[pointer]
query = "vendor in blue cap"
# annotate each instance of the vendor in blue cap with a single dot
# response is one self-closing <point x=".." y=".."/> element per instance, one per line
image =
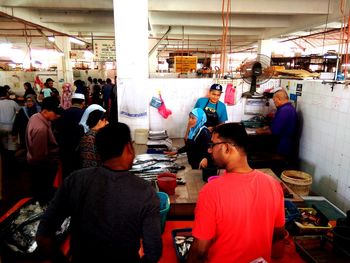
<point x="214" y="109"/>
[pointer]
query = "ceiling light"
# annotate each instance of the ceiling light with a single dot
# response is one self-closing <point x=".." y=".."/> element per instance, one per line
<point x="51" y="39"/>
<point x="76" y="41"/>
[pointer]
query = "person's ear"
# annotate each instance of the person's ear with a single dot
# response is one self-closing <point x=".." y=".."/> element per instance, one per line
<point x="230" y="148"/>
<point x="130" y="148"/>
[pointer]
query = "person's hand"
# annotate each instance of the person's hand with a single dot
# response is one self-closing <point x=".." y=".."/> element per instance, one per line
<point x="263" y="130"/>
<point x="170" y="152"/>
<point x="210" y="129"/>
<point x="203" y="163"/>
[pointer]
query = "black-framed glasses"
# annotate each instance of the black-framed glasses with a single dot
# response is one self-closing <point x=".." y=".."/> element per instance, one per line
<point x="212" y="144"/>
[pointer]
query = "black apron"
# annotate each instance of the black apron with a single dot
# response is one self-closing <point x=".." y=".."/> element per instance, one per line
<point x="212" y="116"/>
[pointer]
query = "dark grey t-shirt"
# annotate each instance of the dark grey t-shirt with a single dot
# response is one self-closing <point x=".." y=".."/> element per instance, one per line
<point x="111" y="211"/>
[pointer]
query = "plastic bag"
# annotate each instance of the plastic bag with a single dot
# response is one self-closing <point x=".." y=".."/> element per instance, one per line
<point x="134" y="102"/>
<point x="156" y="102"/>
<point x="230" y="93"/>
<point x="163" y="110"/>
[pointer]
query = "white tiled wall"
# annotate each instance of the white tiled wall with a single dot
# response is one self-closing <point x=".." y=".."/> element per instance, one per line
<point x="325" y="138"/>
<point x="179" y="96"/>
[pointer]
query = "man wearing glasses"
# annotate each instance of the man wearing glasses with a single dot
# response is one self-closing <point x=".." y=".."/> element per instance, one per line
<point x="239" y="215"/>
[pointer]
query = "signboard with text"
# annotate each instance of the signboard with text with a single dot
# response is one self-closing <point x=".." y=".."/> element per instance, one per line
<point x="104" y="50"/>
<point x="185" y="64"/>
<point x="77" y="54"/>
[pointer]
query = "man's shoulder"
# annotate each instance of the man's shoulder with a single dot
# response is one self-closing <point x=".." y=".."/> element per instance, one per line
<point x="202" y="100"/>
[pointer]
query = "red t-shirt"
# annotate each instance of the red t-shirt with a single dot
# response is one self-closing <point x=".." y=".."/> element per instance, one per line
<point x="239" y="212"/>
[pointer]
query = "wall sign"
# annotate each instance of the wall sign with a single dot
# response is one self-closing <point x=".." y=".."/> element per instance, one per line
<point x="184" y="64"/>
<point x="299" y="89"/>
<point x="104" y="50"/>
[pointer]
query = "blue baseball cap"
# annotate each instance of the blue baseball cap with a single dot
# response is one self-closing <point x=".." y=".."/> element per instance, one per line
<point x="217" y="87"/>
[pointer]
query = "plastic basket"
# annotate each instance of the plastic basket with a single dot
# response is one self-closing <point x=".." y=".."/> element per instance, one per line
<point x="309" y="229"/>
<point x="298" y="181"/>
<point x="164" y="208"/>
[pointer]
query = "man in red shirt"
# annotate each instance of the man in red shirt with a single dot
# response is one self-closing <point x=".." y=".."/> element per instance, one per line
<point x="239" y="215"/>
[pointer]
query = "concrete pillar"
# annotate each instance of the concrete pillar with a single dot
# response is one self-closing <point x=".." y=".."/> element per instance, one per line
<point x="265" y="47"/>
<point x="64" y="65"/>
<point x="153" y="59"/>
<point x="131" y="35"/>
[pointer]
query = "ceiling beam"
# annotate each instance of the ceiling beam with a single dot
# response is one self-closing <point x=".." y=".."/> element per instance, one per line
<point x="217" y="31"/>
<point x="76" y="17"/>
<point x="215" y="20"/>
<point x="243" y="6"/>
<point x="61" y="4"/>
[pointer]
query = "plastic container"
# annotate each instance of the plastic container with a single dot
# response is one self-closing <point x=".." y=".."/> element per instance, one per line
<point x="164" y="208"/>
<point x="310" y="229"/>
<point x="186" y="233"/>
<point x="298" y="181"/>
<point x="167" y="183"/>
<point x="141" y="136"/>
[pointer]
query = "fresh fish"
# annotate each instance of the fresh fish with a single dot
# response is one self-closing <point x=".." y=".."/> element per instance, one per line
<point x="20" y="230"/>
<point x="154" y="157"/>
<point x="143" y="165"/>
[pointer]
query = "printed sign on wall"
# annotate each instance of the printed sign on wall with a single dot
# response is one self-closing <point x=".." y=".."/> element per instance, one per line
<point x="104" y="50"/>
<point x="184" y="64"/>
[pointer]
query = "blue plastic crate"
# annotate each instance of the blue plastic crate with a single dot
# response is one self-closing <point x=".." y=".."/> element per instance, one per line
<point x="291" y="211"/>
<point x="164" y="208"/>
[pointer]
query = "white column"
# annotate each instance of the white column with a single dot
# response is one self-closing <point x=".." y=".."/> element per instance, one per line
<point x="64" y="65"/>
<point x="265" y="47"/>
<point x="131" y="35"/>
<point x="153" y="59"/>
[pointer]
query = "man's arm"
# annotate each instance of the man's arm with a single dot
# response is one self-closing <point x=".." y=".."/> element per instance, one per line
<point x="39" y="138"/>
<point x="264" y="130"/>
<point x="278" y="234"/>
<point x="152" y="239"/>
<point x="198" y="251"/>
<point x="50" y="222"/>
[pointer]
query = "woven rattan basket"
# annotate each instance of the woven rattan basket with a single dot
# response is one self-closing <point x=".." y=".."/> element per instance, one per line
<point x="298" y="181"/>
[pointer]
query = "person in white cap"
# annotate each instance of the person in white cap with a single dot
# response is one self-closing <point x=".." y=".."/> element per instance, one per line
<point x="69" y="133"/>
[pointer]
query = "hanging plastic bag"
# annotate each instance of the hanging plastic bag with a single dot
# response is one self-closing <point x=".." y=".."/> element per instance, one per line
<point x="163" y="110"/>
<point x="156" y="102"/>
<point x="230" y="94"/>
<point x="133" y="103"/>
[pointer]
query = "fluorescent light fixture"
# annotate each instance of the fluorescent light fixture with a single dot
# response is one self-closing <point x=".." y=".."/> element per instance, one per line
<point x="6" y="46"/>
<point x="76" y="41"/>
<point x="330" y="56"/>
<point x="51" y="39"/>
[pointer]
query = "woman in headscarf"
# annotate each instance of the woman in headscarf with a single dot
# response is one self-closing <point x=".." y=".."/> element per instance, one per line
<point x="198" y="140"/>
<point x="66" y="98"/>
<point x="22" y="118"/>
<point x="28" y="90"/>
<point x="92" y="120"/>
